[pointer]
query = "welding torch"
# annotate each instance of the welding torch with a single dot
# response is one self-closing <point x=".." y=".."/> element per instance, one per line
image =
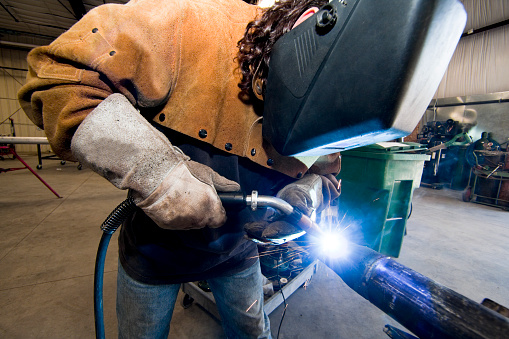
<point x="236" y="199"/>
<point x="293" y="215"/>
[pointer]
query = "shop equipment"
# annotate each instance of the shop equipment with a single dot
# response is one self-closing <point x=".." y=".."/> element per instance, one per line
<point x="7" y="148"/>
<point x="489" y="178"/>
<point x="446" y="142"/>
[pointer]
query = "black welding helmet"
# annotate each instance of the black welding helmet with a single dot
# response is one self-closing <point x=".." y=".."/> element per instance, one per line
<point x="358" y="72"/>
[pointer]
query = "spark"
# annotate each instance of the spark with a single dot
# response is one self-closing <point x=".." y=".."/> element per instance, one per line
<point x="306" y="284"/>
<point x="266" y="253"/>
<point x="254" y="302"/>
<point x="289" y="258"/>
<point x="344" y="216"/>
<point x="350" y="224"/>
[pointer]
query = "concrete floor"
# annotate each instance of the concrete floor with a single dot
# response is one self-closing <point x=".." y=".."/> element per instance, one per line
<point x="48" y="247"/>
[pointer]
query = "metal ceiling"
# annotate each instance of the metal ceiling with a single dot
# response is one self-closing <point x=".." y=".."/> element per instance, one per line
<point x="45" y="19"/>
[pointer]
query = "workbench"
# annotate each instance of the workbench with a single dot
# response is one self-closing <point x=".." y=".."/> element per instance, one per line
<point x="7" y="148"/>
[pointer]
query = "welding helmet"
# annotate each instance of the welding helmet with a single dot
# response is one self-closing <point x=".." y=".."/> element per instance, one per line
<point x="357" y="73"/>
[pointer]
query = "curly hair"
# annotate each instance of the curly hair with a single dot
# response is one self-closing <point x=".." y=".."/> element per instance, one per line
<point x="261" y="35"/>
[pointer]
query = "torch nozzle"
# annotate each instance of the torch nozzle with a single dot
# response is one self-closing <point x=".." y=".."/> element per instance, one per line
<point x="306" y="224"/>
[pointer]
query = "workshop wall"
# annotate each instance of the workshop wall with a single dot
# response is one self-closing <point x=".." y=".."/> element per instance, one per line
<point x="475" y="87"/>
<point x="13" y="71"/>
<point x="480" y="65"/>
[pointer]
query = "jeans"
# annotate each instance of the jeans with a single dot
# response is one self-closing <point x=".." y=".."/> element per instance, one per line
<point x="144" y="311"/>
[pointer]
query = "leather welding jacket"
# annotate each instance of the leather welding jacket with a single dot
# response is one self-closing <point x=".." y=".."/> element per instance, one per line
<point x="175" y="61"/>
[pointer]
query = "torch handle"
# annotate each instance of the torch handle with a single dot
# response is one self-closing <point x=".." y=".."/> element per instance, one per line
<point x="241" y="200"/>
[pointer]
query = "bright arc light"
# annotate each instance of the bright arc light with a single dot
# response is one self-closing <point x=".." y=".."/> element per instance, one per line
<point x="334" y="245"/>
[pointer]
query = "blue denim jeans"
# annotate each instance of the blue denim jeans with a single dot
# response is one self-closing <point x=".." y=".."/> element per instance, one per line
<point x="144" y="311"/>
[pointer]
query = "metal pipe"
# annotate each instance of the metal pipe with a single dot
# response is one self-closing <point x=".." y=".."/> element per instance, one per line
<point x="24" y="140"/>
<point x="17" y="45"/>
<point x="254" y="201"/>
<point x="269" y="201"/>
<point x="423" y="306"/>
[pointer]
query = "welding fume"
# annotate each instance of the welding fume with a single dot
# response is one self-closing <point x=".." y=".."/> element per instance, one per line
<point x="226" y="131"/>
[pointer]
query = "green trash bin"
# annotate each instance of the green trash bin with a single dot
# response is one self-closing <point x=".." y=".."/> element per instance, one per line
<point x="377" y="186"/>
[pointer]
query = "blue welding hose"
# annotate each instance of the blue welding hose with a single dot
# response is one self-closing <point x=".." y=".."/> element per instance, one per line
<point x="126" y="208"/>
<point x="123" y="211"/>
<point x="98" y="285"/>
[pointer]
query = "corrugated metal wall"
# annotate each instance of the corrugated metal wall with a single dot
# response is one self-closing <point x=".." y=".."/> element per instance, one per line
<point x="478" y="73"/>
<point x="480" y="64"/>
<point x="484" y="13"/>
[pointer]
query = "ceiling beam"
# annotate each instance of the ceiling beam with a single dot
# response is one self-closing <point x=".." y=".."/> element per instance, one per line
<point x="9" y="12"/>
<point x="16" y="45"/>
<point x="78" y="8"/>
<point x="15" y="32"/>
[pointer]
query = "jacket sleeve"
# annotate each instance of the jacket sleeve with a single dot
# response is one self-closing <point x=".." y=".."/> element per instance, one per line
<point x="112" y="49"/>
<point x="59" y="105"/>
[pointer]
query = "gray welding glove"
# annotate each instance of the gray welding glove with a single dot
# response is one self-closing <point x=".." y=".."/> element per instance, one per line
<point x="116" y="142"/>
<point x="311" y="193"/>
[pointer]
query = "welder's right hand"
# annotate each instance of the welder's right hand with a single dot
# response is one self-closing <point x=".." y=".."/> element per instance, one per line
<point x="267" y="231"/>
<point x="187" y="198"/>
<point x="123" y="147"/>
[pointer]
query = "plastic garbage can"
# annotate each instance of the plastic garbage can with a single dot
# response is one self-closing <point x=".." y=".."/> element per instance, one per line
<point x="377" y="187"/>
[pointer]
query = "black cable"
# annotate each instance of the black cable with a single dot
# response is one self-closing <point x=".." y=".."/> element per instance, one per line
<point x="282" y="294"/>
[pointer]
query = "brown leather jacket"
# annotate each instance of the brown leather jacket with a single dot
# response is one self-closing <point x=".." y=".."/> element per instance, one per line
<point x="173" y="59"/>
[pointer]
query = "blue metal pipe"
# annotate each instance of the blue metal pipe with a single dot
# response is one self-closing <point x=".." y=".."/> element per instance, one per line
<point x="423" y="306"/>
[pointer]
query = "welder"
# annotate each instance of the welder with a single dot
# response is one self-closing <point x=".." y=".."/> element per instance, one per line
<point x="165" y="99"/>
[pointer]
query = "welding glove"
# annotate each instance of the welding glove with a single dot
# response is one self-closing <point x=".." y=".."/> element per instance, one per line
<point x="116" y="142"/>
<point x="311" y="193"/>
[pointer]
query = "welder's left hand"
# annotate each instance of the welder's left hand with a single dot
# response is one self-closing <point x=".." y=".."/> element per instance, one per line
<point x="311" y="193"/>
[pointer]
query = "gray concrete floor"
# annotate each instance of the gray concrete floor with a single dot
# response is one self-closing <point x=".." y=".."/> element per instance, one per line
<point x="48" y="247"/>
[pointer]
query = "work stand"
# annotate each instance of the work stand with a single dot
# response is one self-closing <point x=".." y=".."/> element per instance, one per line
<point x="9" y="150"/>
<point x="193" y="293"/>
